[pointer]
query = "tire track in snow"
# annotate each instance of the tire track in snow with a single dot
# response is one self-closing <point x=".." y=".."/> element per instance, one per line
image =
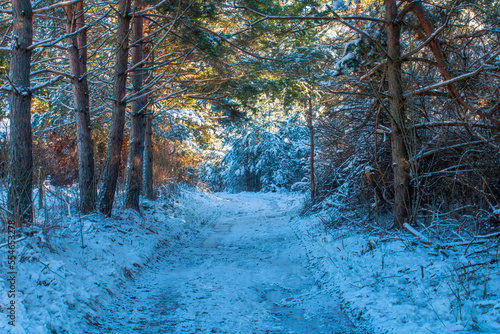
<point x="244" y="272"/>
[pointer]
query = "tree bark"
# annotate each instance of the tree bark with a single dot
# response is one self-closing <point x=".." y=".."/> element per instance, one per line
<point x="137" y="121"/>
<point x="77" y="53"/>
<point x="311" y="159"/>
<point x="113" y="156"/>
<point x="400" y="164"/>
<point x="19" y="198"/>
<point x="148" y="158"/>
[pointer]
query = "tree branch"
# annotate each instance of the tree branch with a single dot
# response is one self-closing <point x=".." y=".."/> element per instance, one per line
<point x="307" y="18"/>
<point x="54" y="6"/>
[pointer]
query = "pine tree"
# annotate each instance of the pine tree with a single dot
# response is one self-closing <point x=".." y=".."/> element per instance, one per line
<point x="20" y="160"/>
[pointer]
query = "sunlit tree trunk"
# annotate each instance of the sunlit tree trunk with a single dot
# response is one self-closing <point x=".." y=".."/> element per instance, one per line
<point x="137" y="125"/>
<point x="113" y="156"/>
<point x="400" y="163"/>
<point x="77" y="52"/>
<point x="20" y="160"/>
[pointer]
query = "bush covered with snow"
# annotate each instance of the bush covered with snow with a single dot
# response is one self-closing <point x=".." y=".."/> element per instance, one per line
<point x="262" y="159"/>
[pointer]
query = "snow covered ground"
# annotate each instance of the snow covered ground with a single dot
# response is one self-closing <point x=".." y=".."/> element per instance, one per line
<point x="244" y="263"/>
<point x="244" y="271"/>
<point x="64" y="279"/>
<point x="401" y="285"/>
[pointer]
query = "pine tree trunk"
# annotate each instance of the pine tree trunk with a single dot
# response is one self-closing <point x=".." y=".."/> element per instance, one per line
<point x="311" y="160"/>
<point x="135" y="160"/>
<point x="137" y="121"/>
<point x="113" y="156"/>
<point x="77" y="53"/>
<point x="19" y="199"/>
<point x="148" y="158"/>
<point x="400" y="164"/>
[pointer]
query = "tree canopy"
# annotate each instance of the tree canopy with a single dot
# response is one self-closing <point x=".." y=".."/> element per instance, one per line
<point x="404" y="99"/>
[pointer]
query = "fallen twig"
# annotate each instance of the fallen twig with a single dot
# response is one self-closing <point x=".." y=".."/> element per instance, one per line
<point x="492" y="235"/>
<point x="417" y="234"/>
<point x="17" y="240"/>
<point x="47" y="266"/>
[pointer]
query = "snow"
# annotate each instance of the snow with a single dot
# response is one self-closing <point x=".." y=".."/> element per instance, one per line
<point x="242" y="263"/>
<point x="400" y="285"/>
<point x="61" y="286"/>
<point x="339" y="5"/>
<point x="242" y="272"/>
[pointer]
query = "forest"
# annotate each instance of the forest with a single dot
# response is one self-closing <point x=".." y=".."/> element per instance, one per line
<point x="386" y="112"/>
<point x="393" y="102"/>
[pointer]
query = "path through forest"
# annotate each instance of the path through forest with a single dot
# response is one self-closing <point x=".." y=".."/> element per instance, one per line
<point x="244" y="272"/>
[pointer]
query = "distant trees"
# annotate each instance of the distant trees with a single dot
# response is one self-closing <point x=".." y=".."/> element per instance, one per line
<point x="267" y="156"/>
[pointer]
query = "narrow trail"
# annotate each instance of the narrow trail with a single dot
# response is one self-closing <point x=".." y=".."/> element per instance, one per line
<point x="244" y="272"/>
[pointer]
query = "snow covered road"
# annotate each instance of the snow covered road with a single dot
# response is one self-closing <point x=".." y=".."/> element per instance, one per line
<point x="244" y="271"/>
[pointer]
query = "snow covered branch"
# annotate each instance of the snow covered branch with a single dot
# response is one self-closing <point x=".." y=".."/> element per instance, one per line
<point x="55" y="6"/>
<point x="443" y="83"/>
